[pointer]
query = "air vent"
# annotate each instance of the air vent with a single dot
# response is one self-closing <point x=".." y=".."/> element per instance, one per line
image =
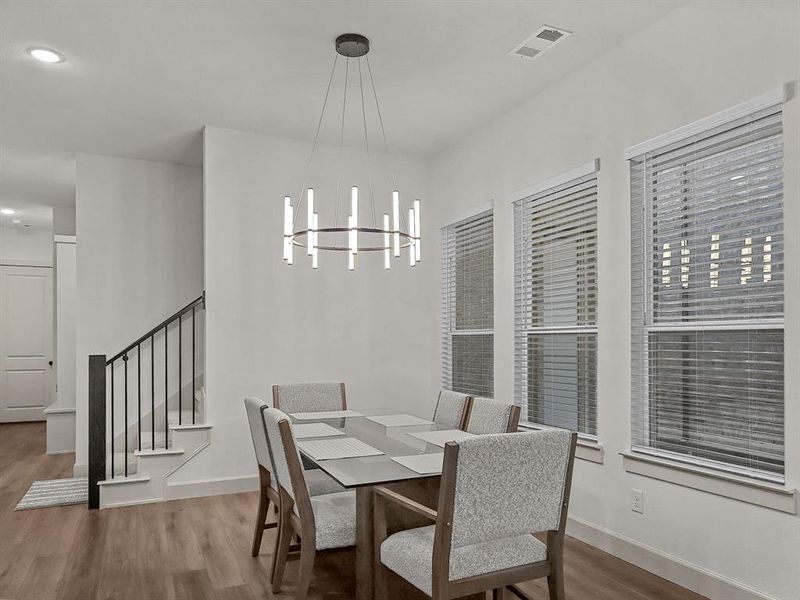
<point x="542" y="39"/>
<point x="527" y="51"/>
<point x="550" y="35"/>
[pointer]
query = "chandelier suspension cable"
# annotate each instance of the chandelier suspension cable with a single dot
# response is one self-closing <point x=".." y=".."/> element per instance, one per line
<point x="314" y="146"/>
<point x="380" y="119"/>
<point x="383" y="132"/>
<point x="341" y="149"/>
<point x="366" y="143"/>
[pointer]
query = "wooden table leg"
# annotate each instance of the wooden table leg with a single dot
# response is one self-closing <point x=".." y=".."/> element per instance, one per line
<point x="365" y="584"/>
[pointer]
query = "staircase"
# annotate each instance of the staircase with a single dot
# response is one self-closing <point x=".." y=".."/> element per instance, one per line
<point x="147" y="410"/>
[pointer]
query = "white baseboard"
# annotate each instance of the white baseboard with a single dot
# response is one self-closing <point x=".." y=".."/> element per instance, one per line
<point x="211" y="487"/>
<point x="693" y="577"/>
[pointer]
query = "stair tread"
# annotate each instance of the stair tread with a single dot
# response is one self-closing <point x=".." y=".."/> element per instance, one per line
<point x="121" y="479"/>
<point x="159" y="452"/>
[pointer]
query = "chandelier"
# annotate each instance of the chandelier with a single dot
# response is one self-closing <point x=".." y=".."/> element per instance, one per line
<point x="389" y="237"/>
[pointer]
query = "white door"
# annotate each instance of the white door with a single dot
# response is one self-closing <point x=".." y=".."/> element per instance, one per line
<point x="26" y="342"/>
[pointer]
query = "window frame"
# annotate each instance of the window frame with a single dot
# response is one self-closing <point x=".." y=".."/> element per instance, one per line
<point x="703" y="129"/>
<point x="449" y="328"/>
<point x="583" y="173"/>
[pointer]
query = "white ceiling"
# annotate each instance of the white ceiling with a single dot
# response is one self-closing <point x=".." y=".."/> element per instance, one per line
<point x="143" y="77"/>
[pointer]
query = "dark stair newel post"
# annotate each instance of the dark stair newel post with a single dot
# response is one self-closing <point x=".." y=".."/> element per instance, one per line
<point x="97" y="426"/>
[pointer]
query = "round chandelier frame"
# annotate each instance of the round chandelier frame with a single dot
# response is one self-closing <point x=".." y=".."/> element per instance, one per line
<point x="398" y="232"/>
<point x="299" y="238"/>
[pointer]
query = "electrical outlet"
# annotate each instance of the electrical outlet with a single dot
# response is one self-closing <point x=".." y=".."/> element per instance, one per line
<point x="637" y="501"/>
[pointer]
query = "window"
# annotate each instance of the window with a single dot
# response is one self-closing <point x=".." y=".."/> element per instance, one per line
<point x="555" y="325"/>
<point x="707" y="298"/>
<point x="468" y="306"/>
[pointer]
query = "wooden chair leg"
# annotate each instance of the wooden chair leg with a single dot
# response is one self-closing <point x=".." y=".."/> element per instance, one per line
<point x="307" y="554"/>
<point x="555" y="580"/>
<point x="261" y="520"/>
<point x="381" y="578"/>
<point x="498" y="594"/>
<point x="276" y="551"/>
<point x="281" y="552"/>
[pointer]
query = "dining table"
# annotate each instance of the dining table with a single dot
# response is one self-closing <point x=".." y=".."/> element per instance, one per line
<point x="363" y="473"/>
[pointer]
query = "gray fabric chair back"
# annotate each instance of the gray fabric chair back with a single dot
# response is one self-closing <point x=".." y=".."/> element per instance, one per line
<point x="509" y="484"/>
<point x="450" y="408"/>
<point x="272" y="418"/>
<point x="308" y="397"/>
<point x="253" y="407"/>
<point x="488" y="416"/>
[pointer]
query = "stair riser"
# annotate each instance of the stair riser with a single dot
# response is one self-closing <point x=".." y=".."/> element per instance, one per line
<point x="158" y="467"/>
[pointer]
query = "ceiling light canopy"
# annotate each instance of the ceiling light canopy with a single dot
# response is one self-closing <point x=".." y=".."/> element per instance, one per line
<point x="351" y="236"/>
<point x="46" y="55"/>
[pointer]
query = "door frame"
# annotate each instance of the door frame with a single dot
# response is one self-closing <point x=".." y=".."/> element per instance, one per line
<point x="32" y="413"/>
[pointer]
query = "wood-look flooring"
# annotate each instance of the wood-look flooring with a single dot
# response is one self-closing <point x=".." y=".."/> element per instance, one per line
<point x="200" y="549"/>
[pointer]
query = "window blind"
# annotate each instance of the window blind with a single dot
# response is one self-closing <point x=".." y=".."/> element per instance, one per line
<point x="707" y="298"/>
<point x="555" y="325"/>
<point x="468" y="305"/>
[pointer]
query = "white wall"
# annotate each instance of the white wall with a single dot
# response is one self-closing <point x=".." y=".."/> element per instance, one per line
<point x="26" y="246"/>
<point x="140" y="256"/>
<point x="66" y="295"/>
<point x="695" y="62"/>
<point x="268" y="323"/>
<point x="64" y="220"/>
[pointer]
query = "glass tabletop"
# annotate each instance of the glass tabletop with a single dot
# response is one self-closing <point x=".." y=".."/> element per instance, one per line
<point x="392" y="441"/>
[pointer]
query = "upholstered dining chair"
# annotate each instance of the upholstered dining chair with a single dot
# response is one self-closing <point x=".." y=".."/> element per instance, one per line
<point x="321" y="522"/>
<point x="492" y="416"/>
<point x="318" y="482"/>
<point x="452" y="409"/>
<point x="496" y="492"/>
<point x="309" y="397"/>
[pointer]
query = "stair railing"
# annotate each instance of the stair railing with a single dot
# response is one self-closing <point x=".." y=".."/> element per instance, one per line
<point x="102" y="404"/>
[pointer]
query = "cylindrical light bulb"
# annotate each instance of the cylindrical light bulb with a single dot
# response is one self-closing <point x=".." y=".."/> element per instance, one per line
<point x="412" y="253"/>
<point x="396" y="217"/>
<point x="287" y="226"/>
<point x="354" y="211"/>
<point x="309" y="237"/>
<point x="315" y="234"/>
<point x="289" y="244"/>
<point x="417" y="234"/>
<point x="350" y="233"/>
<point x="387" y="252"/>
<point x="351" y="257"/>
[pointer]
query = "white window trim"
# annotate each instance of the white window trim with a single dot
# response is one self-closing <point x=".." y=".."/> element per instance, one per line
<point x="744" y="489"/>
<point x="661" y="466"/>
<point x="768" y="100"/>
<point x="555" y="181"/>
<point x="472" y="213"/>
<point x="588" y="447"/>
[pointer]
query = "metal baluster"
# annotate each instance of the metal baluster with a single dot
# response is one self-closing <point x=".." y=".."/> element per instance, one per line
<point x="139" y="391"/>
<point x="180" y="369"/>
<point x="152" y="392"/>
<point x="112" y="419"/>
<point x="194" y="400"/>
<point x="166" y="386"/>
<point x="125" y="434"/>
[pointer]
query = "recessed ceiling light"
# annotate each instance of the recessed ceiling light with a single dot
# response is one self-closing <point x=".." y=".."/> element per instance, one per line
<point x="16" y="221"/>
<point x="7" y="211"/>
<point x="46" y="55"/>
